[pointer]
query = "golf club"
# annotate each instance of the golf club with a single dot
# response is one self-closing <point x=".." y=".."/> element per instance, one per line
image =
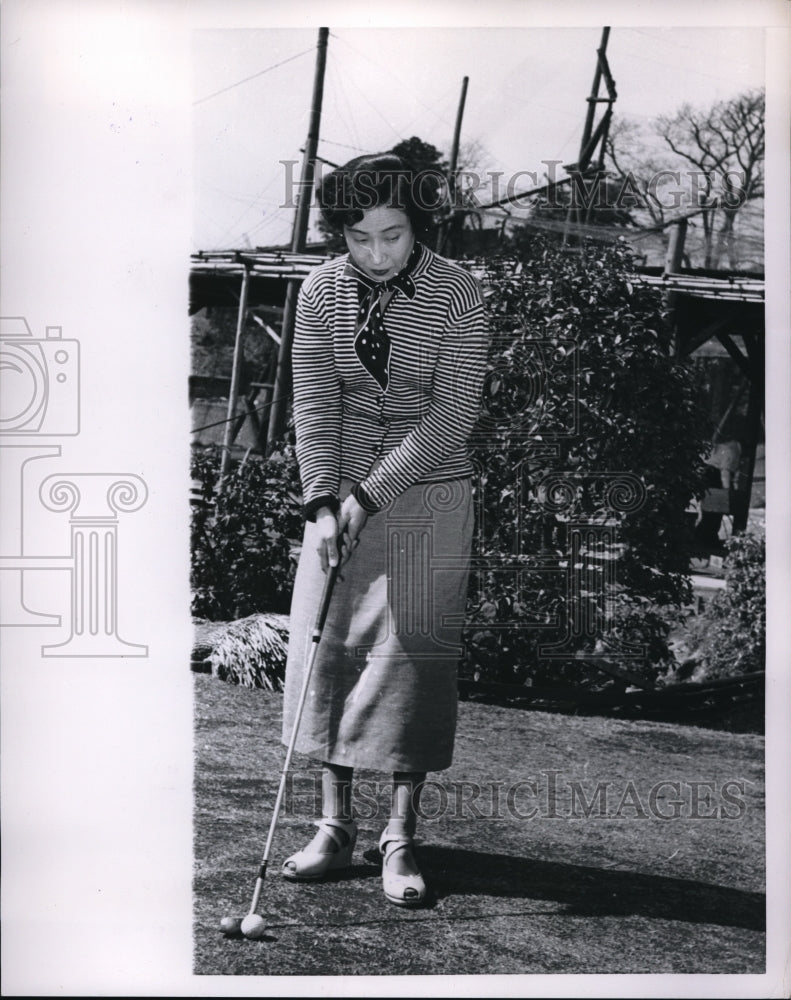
<point x="253" y="925"/>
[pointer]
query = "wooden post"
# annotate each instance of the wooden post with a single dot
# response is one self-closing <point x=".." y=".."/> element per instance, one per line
<point x="454" y="152"/>
<point x="755" y="353"/>
<point x="445" y="227"/>
<point x="594" y="96"/>
<point x="675" y="247"/>
<point x="673" y="258"/>
<point x="586" y="152"/>
<point x="233" y="392"/>
<point x="277" y="416"/>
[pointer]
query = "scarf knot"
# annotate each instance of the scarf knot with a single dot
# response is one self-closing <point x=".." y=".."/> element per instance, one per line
<point x="371" y="341"/>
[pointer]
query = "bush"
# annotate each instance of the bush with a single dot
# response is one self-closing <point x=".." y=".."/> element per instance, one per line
<point x="585" y="390"/>
<point x="245" y="538"/>
<point x="730" y="634"/>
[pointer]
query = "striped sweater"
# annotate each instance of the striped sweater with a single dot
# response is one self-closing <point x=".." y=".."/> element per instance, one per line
<point x="414" y="432"/>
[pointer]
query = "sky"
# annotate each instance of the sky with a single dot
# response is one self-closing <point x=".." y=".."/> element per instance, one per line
<point x="525" y="104"/>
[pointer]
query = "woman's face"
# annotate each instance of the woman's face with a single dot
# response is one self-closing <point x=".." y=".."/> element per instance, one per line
<point x="381" y="242"/>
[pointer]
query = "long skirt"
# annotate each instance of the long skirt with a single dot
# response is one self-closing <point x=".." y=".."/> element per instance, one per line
<point x="383" y="692"/>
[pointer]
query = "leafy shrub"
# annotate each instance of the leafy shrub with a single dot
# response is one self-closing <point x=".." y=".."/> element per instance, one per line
<point x="245" y="537"/>
<point x="584" y="387"/>
<point x="730" y="634"/>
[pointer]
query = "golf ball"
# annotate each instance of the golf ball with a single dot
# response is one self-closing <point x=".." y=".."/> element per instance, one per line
<point x="231" y="925"/>
<point x="253" y="926"/>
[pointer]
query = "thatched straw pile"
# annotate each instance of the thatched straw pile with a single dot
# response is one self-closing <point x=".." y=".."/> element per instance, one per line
<point x="250" y="651"/>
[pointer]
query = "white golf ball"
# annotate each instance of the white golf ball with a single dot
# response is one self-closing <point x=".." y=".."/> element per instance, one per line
<point x="253" y="926"/>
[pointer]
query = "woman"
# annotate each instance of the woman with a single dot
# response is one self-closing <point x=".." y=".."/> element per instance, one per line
<point x="389" y="356"/>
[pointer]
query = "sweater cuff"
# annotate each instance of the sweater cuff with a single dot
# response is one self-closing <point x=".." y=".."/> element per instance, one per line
<point x="364" y="499"/>
<point x="310" y="509"/>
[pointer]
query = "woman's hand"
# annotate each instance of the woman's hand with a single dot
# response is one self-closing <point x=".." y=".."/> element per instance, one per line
<point x="351" y="521"/>
<point x="327" y="547"/>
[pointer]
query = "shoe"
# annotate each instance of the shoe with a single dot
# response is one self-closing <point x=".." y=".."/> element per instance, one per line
<point x="403" y="890"/>
<point x="309" y="864"/>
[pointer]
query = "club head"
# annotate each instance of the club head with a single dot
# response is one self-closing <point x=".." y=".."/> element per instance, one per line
<point x="231" y="926"/>
<point x="253" y="926"/>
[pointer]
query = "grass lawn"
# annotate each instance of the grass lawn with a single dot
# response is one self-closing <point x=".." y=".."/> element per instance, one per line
<point x="657" y="878"/>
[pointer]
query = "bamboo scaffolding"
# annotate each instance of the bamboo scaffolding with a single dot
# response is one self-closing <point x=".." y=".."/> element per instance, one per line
<point x="737" y="289"/>
<point x="299" y="266"/>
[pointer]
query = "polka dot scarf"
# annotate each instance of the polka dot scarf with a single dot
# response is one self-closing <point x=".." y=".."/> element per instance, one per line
<point x="371" y="342"/>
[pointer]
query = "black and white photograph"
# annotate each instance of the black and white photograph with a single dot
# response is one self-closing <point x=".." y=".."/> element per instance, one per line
<point x="395" y="539"/>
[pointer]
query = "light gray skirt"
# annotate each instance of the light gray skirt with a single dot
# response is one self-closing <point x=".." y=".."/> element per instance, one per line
<point x="383" y="691"/>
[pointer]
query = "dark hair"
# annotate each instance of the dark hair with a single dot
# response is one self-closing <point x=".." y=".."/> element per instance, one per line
<point x="368" y="182"/>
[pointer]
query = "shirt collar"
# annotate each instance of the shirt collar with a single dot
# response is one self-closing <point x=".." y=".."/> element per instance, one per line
<point x="417" y="263"/>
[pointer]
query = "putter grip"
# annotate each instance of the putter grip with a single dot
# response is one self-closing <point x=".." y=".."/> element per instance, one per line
<point x="329" y="584"/>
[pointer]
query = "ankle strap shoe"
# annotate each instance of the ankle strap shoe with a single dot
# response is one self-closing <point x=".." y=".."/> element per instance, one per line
<point x="402" y="890"/>
<point x="311" y="864"/>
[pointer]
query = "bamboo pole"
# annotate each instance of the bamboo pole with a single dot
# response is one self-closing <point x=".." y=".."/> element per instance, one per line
<point x="593" y="100"/>
<point x="755" y="349"/>
<point x="586" y="146"/>
<point x="675" y="247"/>
<point x="236" y="371"/>
<point x="445" y="228"/>
<point x="277" y="417"/>
<point x="673" y="258"/>
<point x="454" y="152"/>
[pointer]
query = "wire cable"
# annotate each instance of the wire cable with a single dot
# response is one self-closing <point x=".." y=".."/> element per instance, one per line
<point x="345" y="145"/>
<point x="404" y="86"/>
<point x="255" y="202"/>
<point x="239" y="416"/>
<point x="373" y="107"/>
<point x="253" y="77"/>
<point x="341" y="97"/>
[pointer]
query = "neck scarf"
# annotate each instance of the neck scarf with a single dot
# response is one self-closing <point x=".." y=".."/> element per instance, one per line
<point x="371" y="342"/>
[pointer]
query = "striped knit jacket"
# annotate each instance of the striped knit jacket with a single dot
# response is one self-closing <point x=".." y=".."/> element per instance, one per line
<point x="414" y="432"/>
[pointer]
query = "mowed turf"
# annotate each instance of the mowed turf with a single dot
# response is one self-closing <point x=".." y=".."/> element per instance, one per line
<point x="554" y="844"/>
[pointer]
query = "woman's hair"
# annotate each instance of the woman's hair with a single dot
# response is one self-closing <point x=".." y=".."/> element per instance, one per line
<point x="372" y="181"/>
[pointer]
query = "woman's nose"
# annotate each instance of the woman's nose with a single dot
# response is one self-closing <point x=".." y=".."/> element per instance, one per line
<point x="378" y="254"/>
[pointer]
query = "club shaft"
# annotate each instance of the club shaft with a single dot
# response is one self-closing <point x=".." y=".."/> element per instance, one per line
<point x="329" y="585"/>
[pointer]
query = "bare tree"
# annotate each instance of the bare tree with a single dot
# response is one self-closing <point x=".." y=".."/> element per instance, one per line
<point x="642" y="168"/>
<point x="726" y="145"/>
<point x="721" y="150"/>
